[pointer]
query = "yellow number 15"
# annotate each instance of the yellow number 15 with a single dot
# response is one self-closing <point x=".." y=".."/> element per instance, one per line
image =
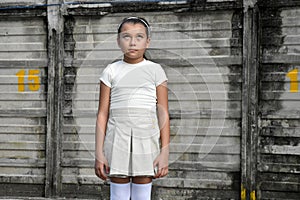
<point x="32" y="78"/>
<point x="293" y="75"/>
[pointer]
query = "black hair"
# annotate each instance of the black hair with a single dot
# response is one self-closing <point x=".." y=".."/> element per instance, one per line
<point x="135" y="20"/>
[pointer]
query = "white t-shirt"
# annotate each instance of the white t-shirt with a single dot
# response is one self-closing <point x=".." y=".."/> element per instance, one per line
<point x="133" y="85"/>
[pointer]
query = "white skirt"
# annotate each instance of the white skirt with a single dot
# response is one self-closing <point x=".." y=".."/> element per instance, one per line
<point x="131" y="142"/>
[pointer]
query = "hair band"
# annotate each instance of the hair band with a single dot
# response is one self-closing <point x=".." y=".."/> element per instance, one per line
<point x="141" y="20"/>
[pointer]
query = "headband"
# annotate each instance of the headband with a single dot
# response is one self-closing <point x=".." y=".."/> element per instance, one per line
<point x="141" y="20"/>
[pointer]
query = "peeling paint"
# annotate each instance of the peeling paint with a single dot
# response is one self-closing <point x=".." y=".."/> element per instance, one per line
<point x="243" y="193"/>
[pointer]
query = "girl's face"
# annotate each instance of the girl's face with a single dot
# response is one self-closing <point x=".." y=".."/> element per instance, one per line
<point x="133" y="41"/>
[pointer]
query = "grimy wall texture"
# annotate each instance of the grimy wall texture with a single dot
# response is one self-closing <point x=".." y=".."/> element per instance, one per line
<point x="233" y="69"/>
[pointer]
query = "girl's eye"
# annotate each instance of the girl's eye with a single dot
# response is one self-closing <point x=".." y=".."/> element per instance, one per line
<point x="140" y="36"/>
<point x="126" y="37"/>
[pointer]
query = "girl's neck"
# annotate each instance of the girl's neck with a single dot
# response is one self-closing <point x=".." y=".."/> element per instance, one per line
<point x="133" y="60"/>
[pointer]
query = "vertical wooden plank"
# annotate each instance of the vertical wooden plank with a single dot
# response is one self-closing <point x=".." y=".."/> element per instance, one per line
<point x="249" y="102"/>
<point x="54" y="119"/>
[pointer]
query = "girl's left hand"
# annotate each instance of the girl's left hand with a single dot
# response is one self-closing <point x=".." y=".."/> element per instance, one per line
<point x="162" y="163"/>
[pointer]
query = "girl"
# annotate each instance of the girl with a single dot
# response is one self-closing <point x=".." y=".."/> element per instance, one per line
<point x="132" y="117"/>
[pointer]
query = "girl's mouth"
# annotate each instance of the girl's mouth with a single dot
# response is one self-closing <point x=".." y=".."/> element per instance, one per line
<point x="132" y="50"/>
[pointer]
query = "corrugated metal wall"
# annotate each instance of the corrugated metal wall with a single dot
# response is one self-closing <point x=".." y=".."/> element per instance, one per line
<point x="23" y="87"/>
<point x="202" y="58"/>
<point x="218" y="150"/>
<point x="22" y="2"/>
<point x="279" y="138"/>
<point x="86" y="42"/>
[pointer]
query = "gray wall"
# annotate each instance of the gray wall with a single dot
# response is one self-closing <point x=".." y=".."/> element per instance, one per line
<point x="23" y="113"/>
<point x="279" y="150"/>
<point x="234" y="120"/>
<point x="204" y="104"/>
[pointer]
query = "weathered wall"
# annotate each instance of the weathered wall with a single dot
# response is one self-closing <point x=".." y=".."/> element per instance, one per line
<point x="23" y="88"/>
<point x="231" y="101"/>
<point x="22" y="2"/>
<point x="279" y="137"/>
<point x="202" y="58"/>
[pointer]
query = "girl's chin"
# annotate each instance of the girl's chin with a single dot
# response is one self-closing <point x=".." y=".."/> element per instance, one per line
<point x="133" y="56"/>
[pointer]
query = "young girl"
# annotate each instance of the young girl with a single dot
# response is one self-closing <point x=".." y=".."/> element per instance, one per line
<point x="132" y="117"/>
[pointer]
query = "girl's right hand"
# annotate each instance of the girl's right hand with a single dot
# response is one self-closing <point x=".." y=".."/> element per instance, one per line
<point x="161" y="163"/>
<point x="101" y="167"/>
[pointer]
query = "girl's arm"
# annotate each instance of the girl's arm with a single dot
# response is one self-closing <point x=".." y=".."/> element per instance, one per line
<point x="164" y="123"/>
<point x="102" y="117"/>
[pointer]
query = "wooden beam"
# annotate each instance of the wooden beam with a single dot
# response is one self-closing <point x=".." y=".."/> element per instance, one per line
<point x="54" y="101"/>
<point x="249" y="103"/>
<point x="117" y="7"/>
<point x="278" y="3"/>
<point x="24" y="12"/>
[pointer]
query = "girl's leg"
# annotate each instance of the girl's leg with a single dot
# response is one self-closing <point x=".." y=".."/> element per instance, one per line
<point x="119" y="188"/>
<point x="141" y="188"/>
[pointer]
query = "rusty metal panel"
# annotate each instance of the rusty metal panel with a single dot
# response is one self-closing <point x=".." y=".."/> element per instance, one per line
<point x="23" y="66"/>
<point x="279" y="152"/>
<point x="201" y="54"/>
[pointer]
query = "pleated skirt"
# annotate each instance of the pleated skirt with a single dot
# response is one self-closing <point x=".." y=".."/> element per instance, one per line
<point x="131" y="142"/>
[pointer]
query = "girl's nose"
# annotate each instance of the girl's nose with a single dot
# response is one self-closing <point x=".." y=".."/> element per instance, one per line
<point x="132" y="41"/>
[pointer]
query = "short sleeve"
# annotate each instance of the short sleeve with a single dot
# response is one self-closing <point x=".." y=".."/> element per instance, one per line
<point x="160" y="76"/>
<point x="106" y="76"/>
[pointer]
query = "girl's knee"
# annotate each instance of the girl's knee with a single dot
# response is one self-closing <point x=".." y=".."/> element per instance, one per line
<point x="119" y="180"/>
<point x="141" y="179"/>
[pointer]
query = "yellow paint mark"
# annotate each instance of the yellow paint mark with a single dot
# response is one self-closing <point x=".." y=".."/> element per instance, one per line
<point x="293" y="75"/>
<point x="243" y="193"/>
<point x="252" y="195"/>
<point x="32" y="79"/>
<point x="20" y="75"/>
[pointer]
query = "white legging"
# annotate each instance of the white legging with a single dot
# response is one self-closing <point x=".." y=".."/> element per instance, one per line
<point x="123" y="191"/>
<point x="141" y="191"/>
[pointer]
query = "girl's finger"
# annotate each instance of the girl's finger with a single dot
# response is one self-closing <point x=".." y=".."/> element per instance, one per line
<point x="104" y="177"/>
<point x="101" y="172"/>
<point x="107" y="169"/>
<point x="164" y="172"/>
<point x="97" y="172"/>
<point x="155" y="163"/>
<point x="158" y="173"/>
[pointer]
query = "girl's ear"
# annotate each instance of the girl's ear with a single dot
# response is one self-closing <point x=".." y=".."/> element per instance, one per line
<point x="118" y="41"/>
<point x="148" y="42"/>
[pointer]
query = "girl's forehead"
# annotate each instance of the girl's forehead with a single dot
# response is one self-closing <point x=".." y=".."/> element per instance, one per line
<point x="133" y="28"/>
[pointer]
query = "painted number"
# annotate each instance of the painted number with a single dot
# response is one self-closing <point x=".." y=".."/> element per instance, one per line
<point x="293" y="75"/>
<point x="32" y="78"/>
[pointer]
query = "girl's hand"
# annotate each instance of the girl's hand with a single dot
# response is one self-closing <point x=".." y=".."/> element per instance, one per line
<point x="101" y="167"/>
<point x="162" y="163"/>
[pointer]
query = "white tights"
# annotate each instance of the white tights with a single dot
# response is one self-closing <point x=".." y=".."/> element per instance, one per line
<point x="141" y="191"/>
<point x="119" y="191"/>
<point x="123" y="191"/>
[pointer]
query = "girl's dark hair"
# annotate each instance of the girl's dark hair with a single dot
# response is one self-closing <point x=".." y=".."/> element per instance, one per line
<point x="135" y="20"/>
